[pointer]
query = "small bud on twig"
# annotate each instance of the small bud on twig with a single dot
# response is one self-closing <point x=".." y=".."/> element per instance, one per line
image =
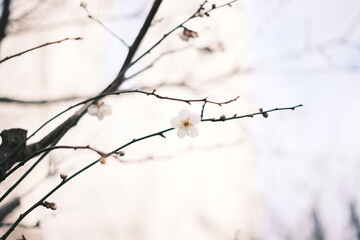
<point x="102" y="160"/>
<point x="222" y="117"/>
<point x="200" y="13"/>
<point x="265" y="114"/>
<point x="83" y="4"/>
<point x="63" y="176"/>
<point x="121" y="153"/>
<point x="50" y="205"/>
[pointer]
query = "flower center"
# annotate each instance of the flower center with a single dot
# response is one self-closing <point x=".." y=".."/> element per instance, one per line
<point x="186" y="123"/>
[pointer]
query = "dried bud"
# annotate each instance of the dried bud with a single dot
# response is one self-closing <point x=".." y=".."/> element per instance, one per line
<point x="102" y="160"/>
<point x="83" y="4"/>
<point x="121" y="153"/>
<point x="265" y="114"/>
<point x="222" y="117"/>
<point x="190" y="33"/>
<point x="200" y="13"/>
<point x="50" y="205"/>
<point x="213" y="6"/>
<point x="261" y="110"/>
<point x="187" y="34"/>
<point x="63" y="176"/>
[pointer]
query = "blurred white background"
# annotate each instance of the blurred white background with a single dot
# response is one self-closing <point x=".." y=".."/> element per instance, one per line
<point x="293" y="175"/>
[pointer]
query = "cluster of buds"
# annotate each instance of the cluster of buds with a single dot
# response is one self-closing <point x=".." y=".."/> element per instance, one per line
<point x="201" y="12"/>
<point x="187" y="34"/>
<point x="50" y="205"/>
<point x="265" y="114"/>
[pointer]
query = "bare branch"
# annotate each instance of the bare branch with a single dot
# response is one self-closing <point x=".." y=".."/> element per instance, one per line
<point x="103" y="25"/>
<point x="40" y="46"/>
<point x="36" y="102"/>
<point x="261" y="112"/>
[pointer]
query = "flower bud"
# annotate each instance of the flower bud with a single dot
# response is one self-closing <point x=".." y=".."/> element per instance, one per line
<point x="83" y="4"/>
<point x="102" y="160"/>
<point x="50" y="205"/>
<point x="63" y="176"/>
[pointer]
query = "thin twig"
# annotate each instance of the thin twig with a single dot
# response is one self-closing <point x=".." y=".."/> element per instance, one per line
<point x="36" y="102"/>
<point x="103" y="25"/>
<point x="223" y="119"/>
<point x="202" y="110"/>
<point x="40" y="46"/>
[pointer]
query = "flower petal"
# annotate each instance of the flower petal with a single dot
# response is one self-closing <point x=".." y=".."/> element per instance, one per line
<point x="192" y="131"/>
<point x="181" y="132"/>
<point x="184" y="113"/>
<point x="92" y="110"/>
<point x="175" y="122"/>
<point x="194" y="118"/>
<point x="100" y="115"/>
<point x="106" y="109"/>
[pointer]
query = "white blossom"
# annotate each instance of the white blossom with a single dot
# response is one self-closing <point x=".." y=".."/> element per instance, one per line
<point x="100" y="110"/>
<point x="186" y="123"/>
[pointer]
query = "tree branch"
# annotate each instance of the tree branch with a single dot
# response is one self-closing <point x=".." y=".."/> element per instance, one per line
<point x="34" y="48"/>
<point x="103" y="25"/>
<point x="37" y="102"/>
<point x="4" y="21"/>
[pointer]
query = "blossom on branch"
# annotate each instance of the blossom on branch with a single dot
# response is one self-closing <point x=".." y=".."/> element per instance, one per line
<point x="186" y="123"/>
<point x="100" y="110"/>
<point x="187" y="34"/>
